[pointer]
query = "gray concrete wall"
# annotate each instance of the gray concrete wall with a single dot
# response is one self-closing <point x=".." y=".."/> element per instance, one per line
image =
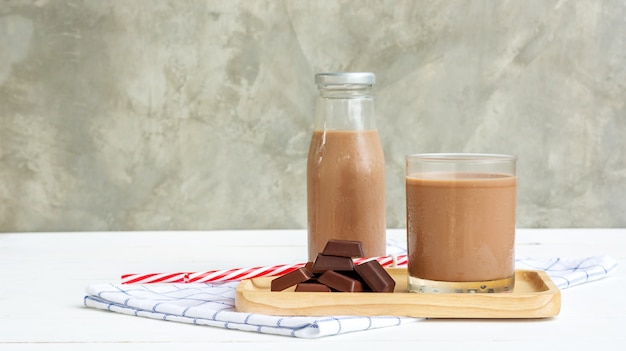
<point x="137" y="115"/>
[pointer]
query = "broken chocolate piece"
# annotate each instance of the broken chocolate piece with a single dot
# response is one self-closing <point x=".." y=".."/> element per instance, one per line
<point x="375" y="276"/>
<point x="340" y="282"/>
<point x="312" y="287"/>
<point x="344" y="248"/>
<point x="337" y="263"/>
<point x="290" y="279"/>
<point x="309" y="266"/>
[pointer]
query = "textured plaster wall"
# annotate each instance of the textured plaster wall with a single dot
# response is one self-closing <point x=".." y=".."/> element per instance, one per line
<point x="137" y="115"/>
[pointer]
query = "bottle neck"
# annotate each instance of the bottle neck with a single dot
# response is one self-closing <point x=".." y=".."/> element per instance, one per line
<point x="345" y="107"/>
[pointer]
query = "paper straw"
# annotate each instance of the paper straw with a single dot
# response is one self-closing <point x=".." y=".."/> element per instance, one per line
<point x="152" y="278"/>
<point x="241" y="273"/>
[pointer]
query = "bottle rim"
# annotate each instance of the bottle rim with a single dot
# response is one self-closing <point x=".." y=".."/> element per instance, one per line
<point x="341" y="78"/>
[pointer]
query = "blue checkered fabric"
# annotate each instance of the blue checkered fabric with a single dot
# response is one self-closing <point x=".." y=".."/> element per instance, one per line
<point x="568" y="272"/>
<point x="214" y="304"/>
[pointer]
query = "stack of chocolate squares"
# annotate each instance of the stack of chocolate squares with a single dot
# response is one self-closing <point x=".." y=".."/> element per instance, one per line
<point x="334" y="270"/>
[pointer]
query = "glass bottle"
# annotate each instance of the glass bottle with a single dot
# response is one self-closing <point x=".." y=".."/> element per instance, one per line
<point x="346" y="166"/>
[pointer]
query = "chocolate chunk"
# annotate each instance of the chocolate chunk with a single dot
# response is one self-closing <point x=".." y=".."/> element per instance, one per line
<point x="354" y="275"/>
<point x="340" y="282"/>
<point x="337" y="263"/>
<point x="344" y="248"/>
<point x="375" y="276"/>
<point x="309" y="266"/>
<point x="290" y="279"/>
<point x="312" y="287"/>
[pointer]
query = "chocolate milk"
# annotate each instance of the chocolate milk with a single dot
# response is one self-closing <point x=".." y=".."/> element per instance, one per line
<point x="346" y="190"/>
<point x="461" y="227"/>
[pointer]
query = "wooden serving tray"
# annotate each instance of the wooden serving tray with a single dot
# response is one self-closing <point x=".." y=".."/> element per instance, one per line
<point x="534" y="296"/>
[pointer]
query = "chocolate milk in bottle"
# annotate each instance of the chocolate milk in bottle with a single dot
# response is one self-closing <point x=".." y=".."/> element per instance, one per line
<point x="346" y="166"/>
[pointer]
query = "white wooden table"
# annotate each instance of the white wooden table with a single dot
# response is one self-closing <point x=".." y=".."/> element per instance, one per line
<point x="43" y="277"/>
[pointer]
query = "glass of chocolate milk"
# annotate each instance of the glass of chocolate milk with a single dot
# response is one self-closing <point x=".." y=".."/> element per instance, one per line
<point x="461" y="222"/>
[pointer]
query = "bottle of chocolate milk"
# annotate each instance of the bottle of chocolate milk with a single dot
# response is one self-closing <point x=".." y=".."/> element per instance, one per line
<point x="346" y="166"/>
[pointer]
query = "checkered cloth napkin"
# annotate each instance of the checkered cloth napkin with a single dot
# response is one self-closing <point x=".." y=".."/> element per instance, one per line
<point x="213" y="304"/>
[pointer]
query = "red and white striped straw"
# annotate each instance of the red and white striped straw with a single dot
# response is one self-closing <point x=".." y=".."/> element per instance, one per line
<point x="240" y="273"/>
<point x="152" y="278"/>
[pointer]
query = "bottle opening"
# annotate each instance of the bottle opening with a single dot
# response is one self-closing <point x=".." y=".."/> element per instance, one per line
<point x="345" y="78"/>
